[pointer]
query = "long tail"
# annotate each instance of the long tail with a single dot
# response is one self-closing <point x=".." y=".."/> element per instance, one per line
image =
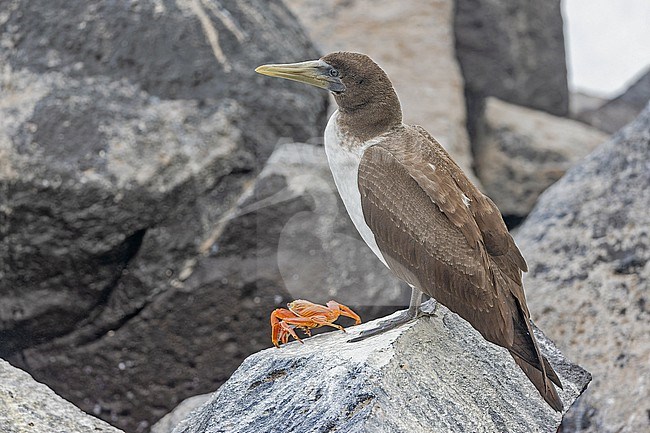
<point x="528" y="357"/>
<point x="543" y="381"/>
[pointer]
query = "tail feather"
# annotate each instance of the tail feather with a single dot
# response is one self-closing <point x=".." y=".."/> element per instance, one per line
<point x="528" y="357"/>
<point x="543" y="383"/>
<point x="550" y="373"/>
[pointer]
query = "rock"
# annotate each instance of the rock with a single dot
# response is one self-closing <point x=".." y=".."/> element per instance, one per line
<point x="99" y="176"/>
<point x="167" y="423"/>
<point x="580" y="102"/>
<point x="181" y="50"/>
<point x="587" y="243"/>
<point x="513" y="51"/>
<point x="615" y="114"/>
<point x="29" y="406"/>
<point x="127" y="132"/>
<point x="520" y="152"/>
<point x="434" y="374"/>
<point x="419" y="57"/>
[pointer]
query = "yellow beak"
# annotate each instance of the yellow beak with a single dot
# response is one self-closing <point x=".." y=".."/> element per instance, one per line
<point x="313" y="72"/>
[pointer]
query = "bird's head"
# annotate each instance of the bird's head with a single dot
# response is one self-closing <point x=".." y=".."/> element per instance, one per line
<point x="353" y="78"/>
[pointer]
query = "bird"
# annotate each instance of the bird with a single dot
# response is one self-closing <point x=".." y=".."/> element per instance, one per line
<point x="419" y="213"/>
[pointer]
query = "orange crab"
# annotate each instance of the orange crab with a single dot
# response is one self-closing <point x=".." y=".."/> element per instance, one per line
<point x="306" y="315"/>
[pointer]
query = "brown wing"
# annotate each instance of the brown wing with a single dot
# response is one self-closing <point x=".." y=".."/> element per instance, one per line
<point x="494" y="232"/>
<point x="426" y="249"/>
<point x="485" y="214"/>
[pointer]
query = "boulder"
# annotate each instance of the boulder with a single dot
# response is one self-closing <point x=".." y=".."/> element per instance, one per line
<point x="181" y="50"/>
<point x="29" y="406"/>
<point x="418" y="57"/>
<point x="520" y="152"/>
<point x="514" y="51"/>
<point x="615" y="114"/>
<point x="127" y="132"/>
<point x="435" y="374"/>
<point x="587" y="243"/>
<point x="167" y="423"/>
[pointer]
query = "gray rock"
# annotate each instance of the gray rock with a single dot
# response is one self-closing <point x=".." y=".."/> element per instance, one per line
<point x="615" y="114"/>
<point x="436" y="374"/>
<point x="167" y="423"/>
<point x="520" y="152"/>
<point x="28" y="406"/>
<point x="98" y="172"/>
<point x="127" y="132"/>
<point x="587" y="243"/>
<point x="513" y="51"/>
<point x="181" y="49"/>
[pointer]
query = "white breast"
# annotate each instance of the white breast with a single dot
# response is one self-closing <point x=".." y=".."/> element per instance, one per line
<point x="344" y="163"/>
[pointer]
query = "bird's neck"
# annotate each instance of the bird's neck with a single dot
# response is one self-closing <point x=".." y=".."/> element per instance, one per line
<point x="368" y="120"/>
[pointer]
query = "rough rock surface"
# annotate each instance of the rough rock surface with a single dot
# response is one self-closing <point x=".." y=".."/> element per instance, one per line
<point x="418" y="57"/>
<point x="513" y="51"/>
<point x="167" y="423"/>
<point x="587" y="243"/>
<point x="436" y="374"/>
<point x="29" y="406"/>
<point x="520" y="152"/>
<point x="127" y="131"/>
<point x="615" y="114"/>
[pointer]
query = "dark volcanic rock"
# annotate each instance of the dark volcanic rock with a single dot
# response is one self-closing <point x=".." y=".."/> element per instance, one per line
<point x="98" y="177"/>
<point x="513" y="50"/>
<point x="185" y="49"/>
<point x="587" y="243"/>
<point x="127" y="132"/>
<point x="615" y="114"/>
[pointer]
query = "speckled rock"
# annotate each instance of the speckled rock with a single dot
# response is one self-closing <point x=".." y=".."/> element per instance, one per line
<point x="587" y="243"/>
<point x="27" y="406"/>
<point x="520" y="152"/>
<point x="436" y="374"/>
<point x="395" y="35"/>
<point x="615" y="114"/>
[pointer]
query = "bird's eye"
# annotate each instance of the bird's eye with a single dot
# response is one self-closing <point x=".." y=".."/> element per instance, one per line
<point x="334" y="72"/>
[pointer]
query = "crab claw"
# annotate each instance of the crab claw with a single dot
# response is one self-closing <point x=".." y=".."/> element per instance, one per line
<point x="345" y="311"/>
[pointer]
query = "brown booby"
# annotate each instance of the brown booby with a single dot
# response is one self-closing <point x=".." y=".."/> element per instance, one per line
<point x="419" y="213"/>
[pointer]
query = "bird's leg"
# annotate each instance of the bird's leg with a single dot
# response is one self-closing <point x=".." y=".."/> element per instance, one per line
<point x="414" y="311"/>
<point x="429" y="307"/>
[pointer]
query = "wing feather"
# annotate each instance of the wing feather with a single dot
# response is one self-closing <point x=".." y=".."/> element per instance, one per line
<point x="423" y="247"/>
